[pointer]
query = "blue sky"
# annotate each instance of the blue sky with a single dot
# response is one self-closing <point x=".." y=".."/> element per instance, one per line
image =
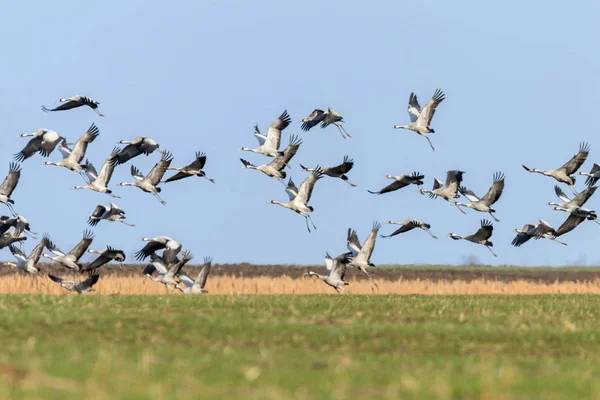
<point x="521" y="82"/>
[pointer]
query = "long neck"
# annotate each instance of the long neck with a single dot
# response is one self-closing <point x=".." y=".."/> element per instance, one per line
<point x="127" y="184"/>
<point x="321" y="277"/>
<point x="400" y="126"/>
<point x="248" y="149"/>
<point x="286" y="205"/>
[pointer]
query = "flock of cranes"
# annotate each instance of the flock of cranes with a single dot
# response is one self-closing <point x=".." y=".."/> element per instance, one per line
<point x="167" y="259"/>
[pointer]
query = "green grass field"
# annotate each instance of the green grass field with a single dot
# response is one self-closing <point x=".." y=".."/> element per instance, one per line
<point x="304" y="347"/>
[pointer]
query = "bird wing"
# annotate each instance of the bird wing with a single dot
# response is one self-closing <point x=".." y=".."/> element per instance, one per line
<point x="203" y="275"/>
<point x="414" y="109"/>
<point x="98" y="262"/>
<point x="199" y="162"/>
<point x="49" y="141"/>
<point x="178" y="176"/>
<point x="108" y="168"/>
<point x="313" y="119"/>
<point x="369" y="244"/>
<point x="291" y="189"/>
<point x="187" y="281"/>
<point x="406" y="226"/>
<point x="521" y="238"/>
<point x="81" y="146"/>
<point x="89" y="282"/>
<point x="485" y="232"/>
<point x="11" y="180"/>
<point x="259" y="136"/>
<point x="426" y="115"/>
<point x="171" y="250"/>
<point x="397" y="184"/>
<point x="328" y="262"/>
<point x="453" y="180"/>
<point x="578" y="159"/>
<point x="128" y="152"/>
<point x="468" y="193"/>
<point x="90" y="171"/>
<point x="338" y="269"/>
<point x="342" y="168"/>
<point x="17" y="253"/>
<point x="136" y="173"/>
<point x="65" y="106"/>
<point x="274" y="132"/>
<point x="33" y="146"/>
<point x="147" y="146"/>
<point x="591" y="180"/>
<point x="37" y="251"/>
<point x="96" y="215"/>
<point x="52" y="247"/>
<point x="561" y="195"/>
<point x="158" y="171"/>
<point x="570" y="223"/>
<point x="584" y="195"/>
<point x="495" y="191"/>
<point x="306" y="188"/>
<point x="353" y="243"/>
<point x="82" y="246"/>
<point x="281" y="161"/>
<point x="148" y="249"/>
<point x="59" y="280"/>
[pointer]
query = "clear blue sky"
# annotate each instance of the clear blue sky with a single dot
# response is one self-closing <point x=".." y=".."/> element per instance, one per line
<point x="521" y="82"/>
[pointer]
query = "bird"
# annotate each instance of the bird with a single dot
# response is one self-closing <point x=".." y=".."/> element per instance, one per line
<point x="565" y="173"/>
<point x="171" y="246"/>
<point x="174" y="269"/>
<point x="448" y="190"/>
<point x="74" y="102"/>
<point x="331" y="117"/>
<point x="72" y="158"/>
<point x="338" y="171"/>
<point x="156" y="264"/>
<point x="361" y="254"/>
<point x="269" y="145"/>
<point x="98" y="182"/>
<point x="299" y="198"/>
<point x="409" y="225"/>
<point x="275" y="169"/>
<point x="70" y="260"/>
<point x="18" y="222"/>
<point x="479" y="237"/>
<point x="105" y="256"/>
<point x="421" y="118"/>
<point x="573" y="220"/>
<point x="149" y="182"/>
<point x="10" y="237"/>
<point x="44" y="141"/>
<point x="543" y="230"/>
<point x="81" y="287"/>
<point x="29" y="263"/>
<point x="196" y="286"/>
<point x="135" y="147"/>
<point x="192" y="169"/>
<point x="336" y="271"/>
<point x="593" y="175"/>
<point x="111" y="213"/>
<point x="577" y="202"/>
<point x="401" y="181"/>
<point x="483" y="204"/>
<point x="8" y="186"/>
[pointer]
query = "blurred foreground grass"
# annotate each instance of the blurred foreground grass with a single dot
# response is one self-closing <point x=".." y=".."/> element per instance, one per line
<point x="304" y="347"/>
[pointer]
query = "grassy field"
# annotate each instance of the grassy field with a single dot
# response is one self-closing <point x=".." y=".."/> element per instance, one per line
<point x="304" y="347"/>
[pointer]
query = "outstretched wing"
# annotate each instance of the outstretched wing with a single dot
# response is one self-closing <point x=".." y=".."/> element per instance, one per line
<point x="96" y="215"/>
<point x="344" y="167"/>
<point x="585" y="195"/>
<point x="203" y="275"/>
<point x="369" y="245"/>
<point x="561" y="195"/>
<point x="485" y="232"/>
<point x="306" y="188"/>
<point x="291" y="189"/>
<point x="495" y="191"/>
<point x="427" y="113"/>
<point x="199" y="162"/>
<point x="414" y="109"/>
<point x="11" y="180"/>
<point x="158" y="171"/>
<point x="148" y="249"/>
<point x="33" y="146"/>
<point x="274" y="132"/>
<point x="578" y="159"/>
<point x="281" y="161"/>
<point x="82" y="246"/>
<point x="353" y="243"/>
<point x="454" y="179"/>
<point x="392" y="187"/>
<point x="570" y="223"/>
<point x="313" y="119"/>
<point x="37" y="251"/>
<point x="81" y="146"/>
<point x="468" y="193"/>
<point x="590" y="179"/>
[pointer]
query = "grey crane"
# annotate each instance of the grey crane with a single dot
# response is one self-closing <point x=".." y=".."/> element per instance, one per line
<point x="483" y="204"/>
<point x="565" y="173"/>
<point x="105" y="256"/>
<point x="401" y="181"/>
<point x="149" y="183"/>
<point x="174" y="269"/>
<point x="592" y="176"/>
<point x="448" y="190"/>
<point x="8" y="186"/>
<point x="408" y="225"/>
<point x="70" y="260"/>
<point x="275" y="169"/>
<point x="29" y="263"/>
<point x="336" y="271"/>
<point x="72" y="158"/>
<point x="421" y="117"/>
<point x="10" y="237"/>
<point x="171" y="248"/>
<point x="139" y="145"/>
<point x="299" y="198"/>
<point x="338" y="171"/>
<point x="74" y="102"/>
<point x="543" y="230"/>
<point x="18" y="222"/>
<point x="269" y="145"/>
<point x="330" y="117"/>
<point x="80" y="287"/>
<point x="196" y="286"/>
<point x="44" y="141"/>
<point x="361" y="255"/>
<point x="192" y="169"/>
<point x="111" y="213"/>
<point x="576" y="202"/>
<point x="479" y="237"/>
<point x="98" y="182"/>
